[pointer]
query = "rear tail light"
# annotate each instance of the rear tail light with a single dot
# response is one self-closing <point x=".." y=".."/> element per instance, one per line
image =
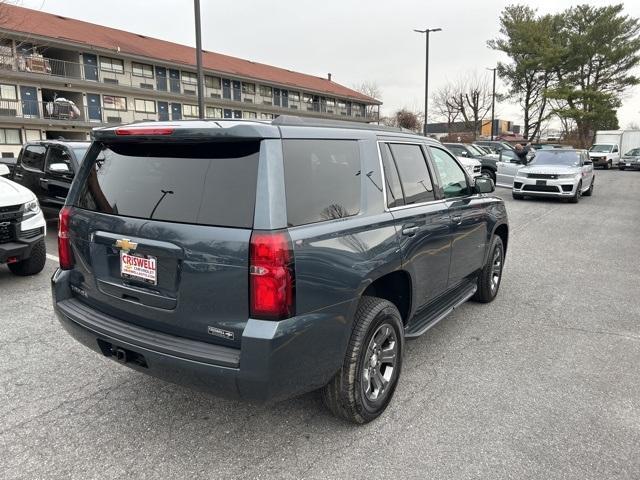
<point x="64" y="243"/>
<point x="271" y="276"/>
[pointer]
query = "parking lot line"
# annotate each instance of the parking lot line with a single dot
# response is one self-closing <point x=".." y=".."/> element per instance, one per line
<point x="52" y="257"/>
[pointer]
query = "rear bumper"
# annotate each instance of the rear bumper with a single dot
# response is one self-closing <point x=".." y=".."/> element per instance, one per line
<point x="278" y="360"/>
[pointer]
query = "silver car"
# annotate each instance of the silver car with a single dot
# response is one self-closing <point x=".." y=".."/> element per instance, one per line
<point x="631" y="159"/>
<point x="552" y="173"/>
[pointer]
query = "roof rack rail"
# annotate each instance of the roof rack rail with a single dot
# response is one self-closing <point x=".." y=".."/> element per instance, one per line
<point x="295" y="121"/>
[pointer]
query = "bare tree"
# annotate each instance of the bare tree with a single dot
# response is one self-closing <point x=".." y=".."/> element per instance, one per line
<point x="370" y="89"/>
<point x="445" y="109"/>
<point x="404" y="118"/>
<point x="472" y="98"/>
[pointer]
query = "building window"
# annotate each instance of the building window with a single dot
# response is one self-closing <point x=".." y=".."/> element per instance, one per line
<point x="111" y="102"/>
<point x="32" y="135"/>
<point x="8" y="92"/>
<point x="249" y="88"/>
<point x="331" y="102"/>
<point x="266" y="116"/>
<point x="114" y="65"/>
<point x="212" y="82"/>
<point x="249" y="115"/>
<point x="145" y="106"/>
<point x="189" y="78"/>
<point x="342" y="104"/>
<point x="266" y="91"/>
<point x="307" y="98"/>
<point x="10" y="136"/>
<point x="142" y="70"/>
<point x="214" y="112"/>
<point x="294" y="96"/>
<point x="190" y="111"/>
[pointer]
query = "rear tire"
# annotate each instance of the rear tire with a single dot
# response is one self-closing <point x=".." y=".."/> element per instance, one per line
<point x="589" y="192"/>
<point x="373" y="360"/>
<point x="491" y="274"/>
<point x="32" y="265"/>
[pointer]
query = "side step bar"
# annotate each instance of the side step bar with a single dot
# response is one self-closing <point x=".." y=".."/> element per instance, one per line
<point x="440" y="310"/>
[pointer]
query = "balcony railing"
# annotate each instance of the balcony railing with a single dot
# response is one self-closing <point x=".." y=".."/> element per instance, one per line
<point x="61" y="68"/>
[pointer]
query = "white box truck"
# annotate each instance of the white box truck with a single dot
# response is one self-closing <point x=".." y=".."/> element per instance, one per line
<point x="610" y="145"/>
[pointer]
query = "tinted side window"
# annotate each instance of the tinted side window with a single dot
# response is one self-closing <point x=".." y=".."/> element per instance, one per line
<point x="322" y="180"/>
<point x="395" y="197"/>
<point x="454" y="181"/>
<point x="59" y="155"/>
<point x="205" y="183"/>
<point x="456" y="149"/>
<point x="33" y="157"/>
<point x="414" y="174"/>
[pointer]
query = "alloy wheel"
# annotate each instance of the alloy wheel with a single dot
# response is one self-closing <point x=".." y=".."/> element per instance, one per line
<point x="496" y="269"/>
<point x="380" y="363"/>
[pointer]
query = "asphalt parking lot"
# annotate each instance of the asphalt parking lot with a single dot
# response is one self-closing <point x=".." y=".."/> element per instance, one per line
<point x="542" y="383"/>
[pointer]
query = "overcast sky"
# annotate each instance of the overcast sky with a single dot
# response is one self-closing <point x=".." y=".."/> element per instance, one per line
<point x="355" y="40"/>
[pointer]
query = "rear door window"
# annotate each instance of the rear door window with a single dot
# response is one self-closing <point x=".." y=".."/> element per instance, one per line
<point x="413" y="171"/>
<point x="33" y="157"/>
<point x="322" y="180"/>
<point x="211" y="183"/>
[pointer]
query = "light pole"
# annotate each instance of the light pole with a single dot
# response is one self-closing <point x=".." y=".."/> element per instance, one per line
<point x="200" y="75"/>
<point x="426" y="31"/>
<point x="493" y="103"/>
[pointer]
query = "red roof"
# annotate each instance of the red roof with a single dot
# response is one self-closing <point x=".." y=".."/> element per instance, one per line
<point x="34" y="22"/>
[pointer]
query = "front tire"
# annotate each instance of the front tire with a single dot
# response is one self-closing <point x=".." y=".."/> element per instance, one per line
<point x="608" y="165"/>
<point x="32" y="265"/>
<point x="621" y="167"/>
<point x="589" y="192"/>
<point x="488" y="173"/>
<point x="491" y="274"/>
<point x="578" y="194"/>
<point x="364" y="385"/>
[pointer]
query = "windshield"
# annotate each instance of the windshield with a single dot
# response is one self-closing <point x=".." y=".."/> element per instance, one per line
<point x="633" y="153"/>
<point x="569" y="158"/>
<point x="475" y="150"/>
<point x="601" y="148"/>
<point x="79" y="152"/>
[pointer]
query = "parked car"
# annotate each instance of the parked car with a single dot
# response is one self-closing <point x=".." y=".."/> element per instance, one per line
<point x="47" y="168"/>
<point x="254" y="259"/>
<point x="467" y="150"/>
<point x="22" y="228"/>
<point x="10" y="164"/>
<point x="560" y="173"/>
<point x="631" y="159"/>
<point x="472" y="166"/>
<point x="605" y="155"/>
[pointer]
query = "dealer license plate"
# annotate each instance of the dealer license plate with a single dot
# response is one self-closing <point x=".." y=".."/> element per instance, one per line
<point x="136" y="267"/>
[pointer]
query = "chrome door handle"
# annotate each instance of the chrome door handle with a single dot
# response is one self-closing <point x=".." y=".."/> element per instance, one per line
<point x="410" y="231"/>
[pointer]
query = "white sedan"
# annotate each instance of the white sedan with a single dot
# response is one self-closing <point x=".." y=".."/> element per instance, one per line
<point x="560" y="173"/>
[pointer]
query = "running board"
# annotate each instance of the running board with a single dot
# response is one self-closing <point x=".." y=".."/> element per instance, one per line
<point x="437" y="312"/>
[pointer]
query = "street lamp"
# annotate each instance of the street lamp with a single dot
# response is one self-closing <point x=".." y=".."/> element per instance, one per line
<point x="199" y="74"/>
<point x="426" y="31"/>
<point x="493" y="103"/>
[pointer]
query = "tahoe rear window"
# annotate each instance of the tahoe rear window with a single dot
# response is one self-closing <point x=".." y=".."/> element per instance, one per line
<point x="211" y="183"/>
<point x="322" y="180"/>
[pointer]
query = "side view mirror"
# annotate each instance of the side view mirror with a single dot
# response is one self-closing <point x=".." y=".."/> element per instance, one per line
<point x="485" y="185"/>
<point x="4" y="170"/>
<point x="588" y="162"/>
<point x="59" y="168"/>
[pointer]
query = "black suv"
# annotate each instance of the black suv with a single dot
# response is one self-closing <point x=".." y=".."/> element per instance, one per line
<point x="262" y="260"/>
<point x="47" y="168"/>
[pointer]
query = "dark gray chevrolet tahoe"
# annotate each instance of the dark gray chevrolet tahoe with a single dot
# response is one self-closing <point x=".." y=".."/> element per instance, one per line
<point x="262" y="260"/>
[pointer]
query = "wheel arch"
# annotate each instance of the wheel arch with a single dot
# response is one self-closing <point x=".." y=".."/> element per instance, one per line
<point x="397" y="288"/>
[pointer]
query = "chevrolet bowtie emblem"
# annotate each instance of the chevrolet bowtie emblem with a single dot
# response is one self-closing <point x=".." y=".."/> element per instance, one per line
<point x="125" y="244"/>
